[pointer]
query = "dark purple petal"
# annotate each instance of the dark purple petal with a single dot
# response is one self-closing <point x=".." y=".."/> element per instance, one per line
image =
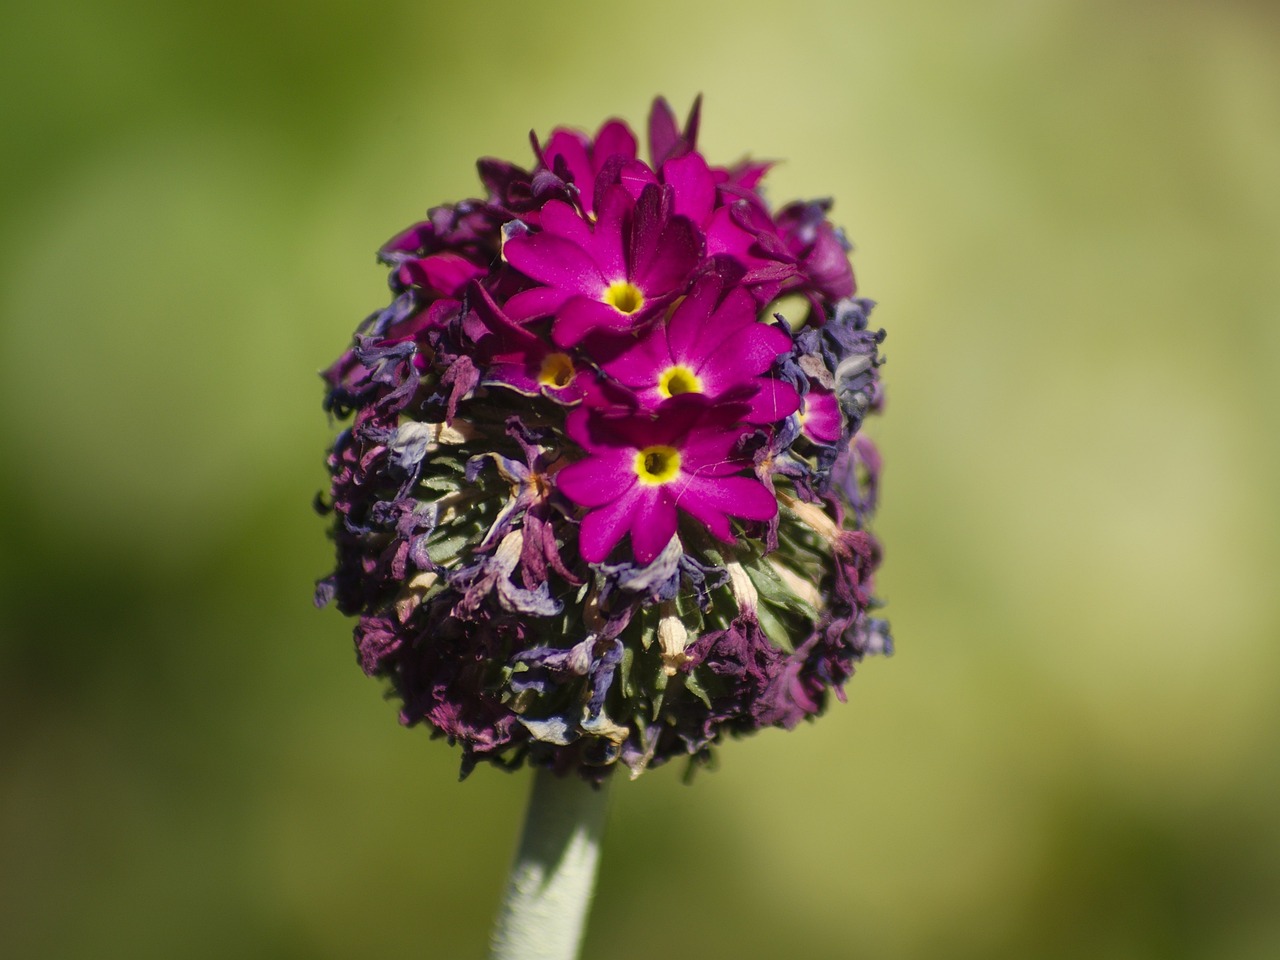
<point x="445" y="274"/>
<point x="664" y="135"/>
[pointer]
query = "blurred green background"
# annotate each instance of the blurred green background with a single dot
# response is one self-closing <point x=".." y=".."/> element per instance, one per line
<point x="1070" y="213"/>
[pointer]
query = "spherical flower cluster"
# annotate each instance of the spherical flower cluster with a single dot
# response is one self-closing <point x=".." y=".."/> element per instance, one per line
<point x="598" y="504"/>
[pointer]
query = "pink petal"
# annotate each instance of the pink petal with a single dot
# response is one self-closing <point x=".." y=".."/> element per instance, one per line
<point x="710" y="452"/>
<point x="556" y="262"/>
<point x="601" y="529"/>
<point x="822" y="416"/>
<point x="577" y="425"/>
<point x="775" y="400"/>
<point x="504" y="332"/>
<point x="679" y="418"/>
<point x="602" y="435"/>
<point x="744" y="497"/>
<point x="513" y="375"/>
<point x="747" y="174"/>
<point x="725" y="236"/>
<point x="635" y="176"/>
<point x="641" y="364"/>
<point x="828" y="267"/>
<point x="570" y="146"/>
<point x="606" y="246"/>
<point x="744" y="354"/>
<point x="679" y="252"/>
<point x="561" y="220"/>
<point x="690" y="319"/>
<point x="580" y="315"/>
<point x="597" y="480"/>
<point x="664" y="250"/>
<point x="614" y="138"/>
<point x="695" y="187"/>
<point x="653" y="524"/>
<point x="538" y="302"/>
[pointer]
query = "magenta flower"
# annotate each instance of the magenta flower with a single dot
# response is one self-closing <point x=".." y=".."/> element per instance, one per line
<point x="821" y="253"/>
<point x="735" y="221"/>
<point x="577" y="159"/>
<point x="641" y="470"/>
<point x="515" y="357"/>
<point x="714" y="345"/>
<point x="610" y="275"/>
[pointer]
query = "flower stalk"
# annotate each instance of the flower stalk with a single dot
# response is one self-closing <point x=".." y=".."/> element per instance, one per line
<point x="544" y="912"/>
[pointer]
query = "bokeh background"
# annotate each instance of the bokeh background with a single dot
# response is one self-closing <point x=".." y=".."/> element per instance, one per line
<point x="1070" y="213"/>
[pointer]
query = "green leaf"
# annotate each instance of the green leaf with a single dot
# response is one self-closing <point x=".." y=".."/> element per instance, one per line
<point x="694" y="686"/>
<point x="447" y="547"/>
<point x="776" y="593"/>
<point x="441" y="484"/>
<point x="628" y="661"/>
<point x="773" y="628"/>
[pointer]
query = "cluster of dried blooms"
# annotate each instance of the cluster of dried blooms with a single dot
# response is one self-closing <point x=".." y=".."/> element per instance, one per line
<point x="598" y="504"/>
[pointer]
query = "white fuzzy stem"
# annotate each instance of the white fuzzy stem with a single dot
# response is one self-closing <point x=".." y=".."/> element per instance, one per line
<point x="549" y="890"/>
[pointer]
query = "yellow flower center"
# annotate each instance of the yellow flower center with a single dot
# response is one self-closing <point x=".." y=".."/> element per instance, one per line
<point x="623" y="296"/>
<point x="557" y="370"/>
<point x="676" y="380"/>
<point x="657" y="465"/>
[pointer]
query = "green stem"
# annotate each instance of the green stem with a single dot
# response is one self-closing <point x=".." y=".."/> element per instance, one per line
<point x="549" y="890"/>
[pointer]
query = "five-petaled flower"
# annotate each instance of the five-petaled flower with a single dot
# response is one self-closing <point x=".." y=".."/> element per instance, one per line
<point x="606" y="275"/>
<point x="712" y="344"/>
<point x="641" y="470"/>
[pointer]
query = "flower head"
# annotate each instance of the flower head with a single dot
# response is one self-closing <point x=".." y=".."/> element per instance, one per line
<point x="598" y="506"/>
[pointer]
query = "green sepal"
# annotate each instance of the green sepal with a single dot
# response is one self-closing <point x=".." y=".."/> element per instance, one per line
<point x="446" y="548"/>
<point x="441" y="484"/>
<point x="625" y="668"/>
<point x="776" y="593"/>
<point x="773" y="629"/>
<point x="659" y="692"/>
<point x="694" y="686"/>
